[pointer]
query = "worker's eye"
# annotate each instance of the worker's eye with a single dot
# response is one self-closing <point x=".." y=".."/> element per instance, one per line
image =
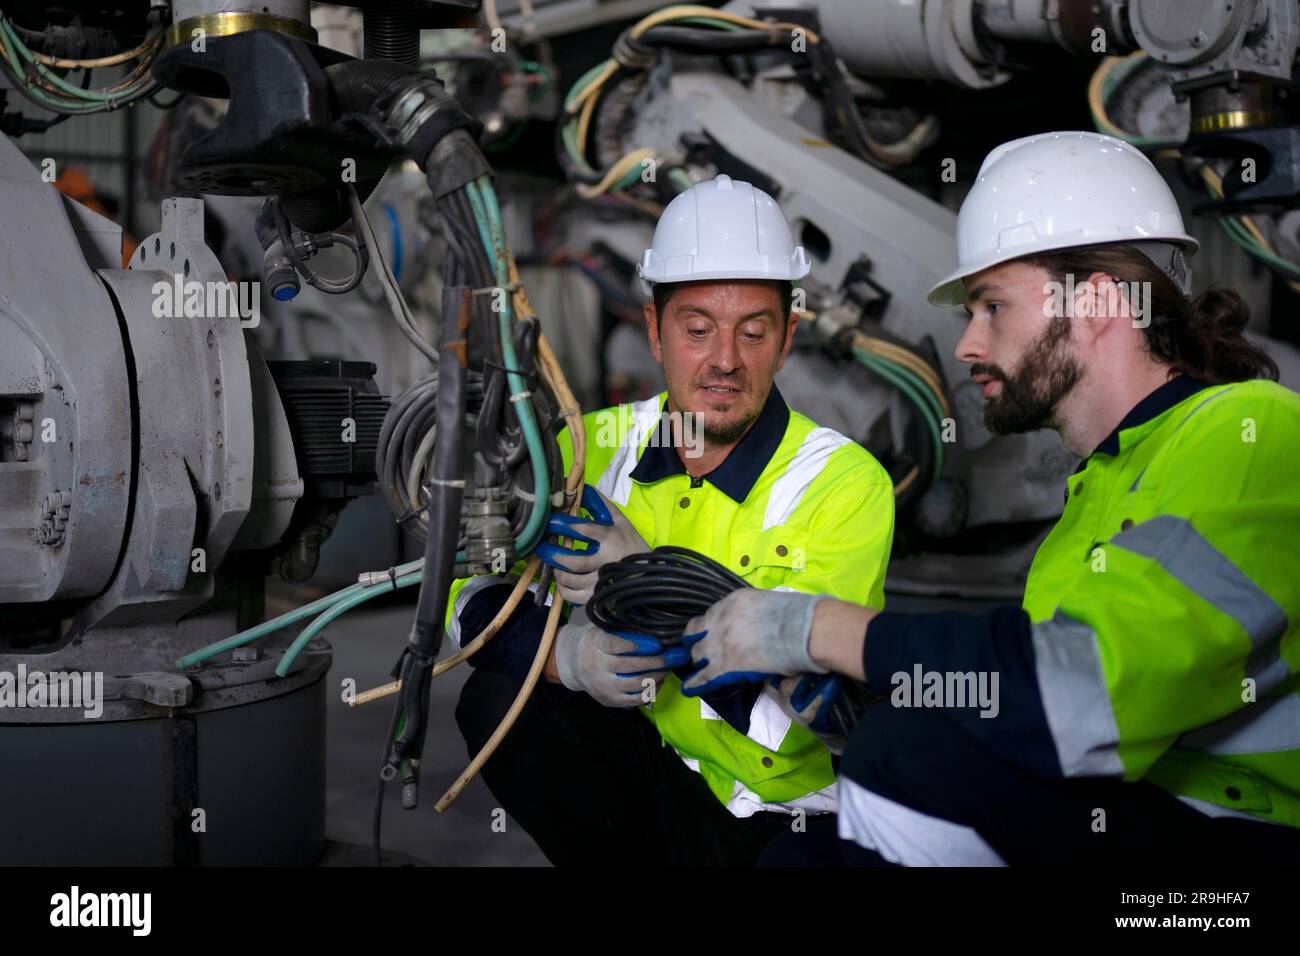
<point x="697" y="333"/>
<point x="752" y="336"/>
<point x="992" y="308"/>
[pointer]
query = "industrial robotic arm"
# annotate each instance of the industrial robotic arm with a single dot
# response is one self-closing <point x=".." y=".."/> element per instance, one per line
<point x="144" y="440"/>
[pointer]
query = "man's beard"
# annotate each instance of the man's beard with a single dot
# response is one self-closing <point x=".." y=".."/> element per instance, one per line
<point x="1046" y="374"/>
<point x="728" y="432"/>
<point x="724" y="433"/>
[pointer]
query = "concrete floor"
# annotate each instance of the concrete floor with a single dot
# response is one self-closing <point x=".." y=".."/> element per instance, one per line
<point x="366" y="644"/>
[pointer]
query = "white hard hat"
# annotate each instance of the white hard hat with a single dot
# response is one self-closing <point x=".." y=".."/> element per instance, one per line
<point x="1059" y="191"/>
<point x="722" y="229"/>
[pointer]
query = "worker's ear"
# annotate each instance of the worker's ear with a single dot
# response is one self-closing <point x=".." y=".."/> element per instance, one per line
<point x="1097" y="301"/>
<point x="652" y="332"/>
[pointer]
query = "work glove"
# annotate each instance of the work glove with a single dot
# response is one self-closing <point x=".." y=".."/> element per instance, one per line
<point x="612" y="668"/>
<point x="807" y="700"/>
<point x="749" y="635"/>
<point x="608" y="532"/>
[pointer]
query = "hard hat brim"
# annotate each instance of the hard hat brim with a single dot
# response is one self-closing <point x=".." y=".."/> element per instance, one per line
<point x="724" y="275"/>
<point x="951" y="290"/>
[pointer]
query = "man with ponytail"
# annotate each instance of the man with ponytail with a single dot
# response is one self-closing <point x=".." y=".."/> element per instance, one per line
<point x="1147" y="687"/>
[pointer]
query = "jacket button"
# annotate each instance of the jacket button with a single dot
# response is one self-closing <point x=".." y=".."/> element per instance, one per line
<point x="744" y="560"/>
<point x="685" y="502"/>
<point x="1232" y="793"/>
<point x="767" y="761"/>
<point x="1125" y="524"/>
<point x="782" y="550"/>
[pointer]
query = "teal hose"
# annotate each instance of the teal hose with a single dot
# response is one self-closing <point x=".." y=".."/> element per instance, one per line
<point x="284" y="620"/>
<point x="916" y="392"/>
<point x="488" y="215"/>
<point x="90" y="97"/>
<point x="340" y="608"/>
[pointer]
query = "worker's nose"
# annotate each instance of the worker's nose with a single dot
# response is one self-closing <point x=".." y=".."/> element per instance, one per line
<point x="972" y="347"/>
<point x="726" y="356"/>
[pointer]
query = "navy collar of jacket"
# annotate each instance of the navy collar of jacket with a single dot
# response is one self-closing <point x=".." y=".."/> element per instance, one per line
<point x="736" y="476"/>
<point x="1158" y="402"/>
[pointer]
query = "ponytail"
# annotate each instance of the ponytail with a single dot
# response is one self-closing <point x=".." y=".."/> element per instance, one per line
<point x="1202" y="337"/>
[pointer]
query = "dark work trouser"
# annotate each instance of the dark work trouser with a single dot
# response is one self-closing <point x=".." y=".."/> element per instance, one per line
<point x="595" y="785"/>
<point x="915" y="789"/>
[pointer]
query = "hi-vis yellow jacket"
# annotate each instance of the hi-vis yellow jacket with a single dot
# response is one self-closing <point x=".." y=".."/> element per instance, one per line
<point x="1159" y="635"/>
<point x="793" y="506"/>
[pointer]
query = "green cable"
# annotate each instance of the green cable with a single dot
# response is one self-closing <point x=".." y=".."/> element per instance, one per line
<point x="914" y="390"/>
<point x="582" y="82"/>
<point x="340" y="608"/>
<point x="283" y="620"/>
<point x="709" y="22"/>
<point x="630" y="178"/>
<point x="1117" y="76"/>
<point x="1240" y="235"/>
<point x="484" y="199"/>
<point x="509" y="139"/>
<point x="569" y="135"/>
<point x="95" y="97"/>
<point x="931" y="401"/>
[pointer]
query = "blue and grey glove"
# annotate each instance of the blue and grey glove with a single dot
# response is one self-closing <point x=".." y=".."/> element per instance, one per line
<point x="610" y="536"/>
<point x="613" y="668"/>
<point x="749" y="635"/>
<point x="809" y="700"/>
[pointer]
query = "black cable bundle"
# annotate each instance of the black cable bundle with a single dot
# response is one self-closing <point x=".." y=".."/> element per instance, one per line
<point x="657" y="593"/>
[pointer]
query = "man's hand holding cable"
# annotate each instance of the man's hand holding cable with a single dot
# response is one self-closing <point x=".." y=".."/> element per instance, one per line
<point x="613" y="669"/>
<point x="806" y="700"/>
<point x="610" y="536"/>
<point x="749" y="635"/>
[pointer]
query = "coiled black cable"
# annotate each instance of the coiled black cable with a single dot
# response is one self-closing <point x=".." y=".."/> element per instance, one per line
<point x="658" y="593"/>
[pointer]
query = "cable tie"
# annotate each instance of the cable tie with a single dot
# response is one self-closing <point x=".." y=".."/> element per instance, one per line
<point x="392" y="577"/>
<point x="512" y="286"/>
<point x="405" y="519"/>
<point x="522" y="396"/>
<point x="455" y="483"/>
<point x="488" y="363"/>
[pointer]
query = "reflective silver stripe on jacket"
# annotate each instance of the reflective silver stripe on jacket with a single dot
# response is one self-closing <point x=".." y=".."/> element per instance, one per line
<point x="1271" y="725"/>
<point x="616" y="482"/>
<point x="813" y="453"/>
<point x="1075" y="699"/>
<point x="1208" y="573"/>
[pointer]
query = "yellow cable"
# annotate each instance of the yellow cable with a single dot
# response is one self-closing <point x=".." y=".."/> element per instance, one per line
<point x="615" y="173"/>
<point x="611" y="66"/>
<point x="584" y="124"/>
<point x="695" y="10"/>
<point x="906" y="481"/>
<point x="117" y="58"/>
<point x="909" y="360"/>
<point x="526" y="691"/>
<point x="512" y="602"/>
<point x="1215" y="182"/>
